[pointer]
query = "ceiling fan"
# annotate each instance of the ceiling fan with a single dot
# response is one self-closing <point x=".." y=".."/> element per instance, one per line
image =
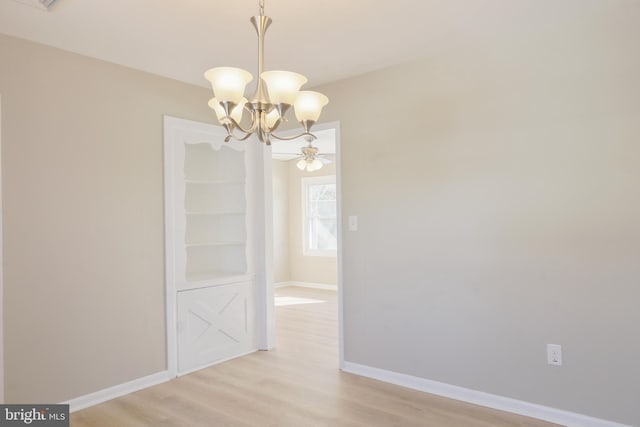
<point x="309" y="158"/>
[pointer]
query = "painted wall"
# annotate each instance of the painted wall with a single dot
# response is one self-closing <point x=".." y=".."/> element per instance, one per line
<point x="83" y="219"/>
<point x="499" y="207"/>
<point x="280" y="185"/>
<point x="305" y="268"/>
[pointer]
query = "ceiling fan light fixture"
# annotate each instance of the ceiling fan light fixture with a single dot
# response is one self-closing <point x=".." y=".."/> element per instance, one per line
<point x="317" y="164"/>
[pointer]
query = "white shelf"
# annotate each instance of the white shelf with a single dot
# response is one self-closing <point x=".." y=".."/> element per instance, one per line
<point x="192" y="245"/>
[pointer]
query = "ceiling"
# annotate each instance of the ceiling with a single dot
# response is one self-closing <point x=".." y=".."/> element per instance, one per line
<point x="325" y="40"/>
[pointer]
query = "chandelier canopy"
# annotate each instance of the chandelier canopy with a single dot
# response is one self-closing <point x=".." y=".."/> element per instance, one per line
<point x="275" y="93"/>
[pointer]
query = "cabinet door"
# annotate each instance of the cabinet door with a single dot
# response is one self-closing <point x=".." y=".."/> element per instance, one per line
<point x="214" y="323"/>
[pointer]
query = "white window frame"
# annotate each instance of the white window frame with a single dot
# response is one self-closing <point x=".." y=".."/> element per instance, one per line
<point x="313" y="180"/>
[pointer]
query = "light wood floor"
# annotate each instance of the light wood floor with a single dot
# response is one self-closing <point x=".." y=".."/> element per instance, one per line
<point x="297" y="385"/>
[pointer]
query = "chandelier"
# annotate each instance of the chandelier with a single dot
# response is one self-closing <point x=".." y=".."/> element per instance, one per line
<point x="275" y="93"/>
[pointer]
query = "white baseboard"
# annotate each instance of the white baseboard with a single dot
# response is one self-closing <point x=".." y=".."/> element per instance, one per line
<point x="282" y="284"/>
<point x="493" y="401"/>
<point x="91" y="399"/>
<point x="307" y="285"/>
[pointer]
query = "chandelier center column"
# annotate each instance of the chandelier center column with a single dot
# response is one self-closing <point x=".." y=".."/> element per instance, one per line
<point x="260" y="101"/>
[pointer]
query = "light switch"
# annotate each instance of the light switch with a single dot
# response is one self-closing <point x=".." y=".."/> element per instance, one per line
<point x="353" y="223"/>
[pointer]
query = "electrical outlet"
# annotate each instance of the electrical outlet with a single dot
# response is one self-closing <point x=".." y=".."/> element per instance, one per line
<point x="554" y="354"/>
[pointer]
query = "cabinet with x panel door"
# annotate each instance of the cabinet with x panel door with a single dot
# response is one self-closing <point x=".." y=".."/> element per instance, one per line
<point x="211" y="252"/>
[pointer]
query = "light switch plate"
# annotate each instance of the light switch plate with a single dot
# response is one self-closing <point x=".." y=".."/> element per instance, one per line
<point x="353" y="223"/>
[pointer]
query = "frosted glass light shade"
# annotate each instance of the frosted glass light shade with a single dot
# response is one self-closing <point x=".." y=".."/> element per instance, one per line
<point x="272" y="118"/>
<point x="228" y="83"/>
<point x="317" y="164"/>
<point x="283" y="86"/>
<point x="308" y="105"/>
<point x="236" y="113"/>
<point x="302" y="163"/>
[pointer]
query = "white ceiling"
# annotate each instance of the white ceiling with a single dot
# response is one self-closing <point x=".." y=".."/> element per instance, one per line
<point x="325" y="40"/>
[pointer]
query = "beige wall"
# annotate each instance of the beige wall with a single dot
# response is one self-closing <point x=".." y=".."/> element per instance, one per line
<point x="83" y="219"/>
<point x="305" y="268"/>
<point x="280" y="176"/>
<point x="499" y="207"/>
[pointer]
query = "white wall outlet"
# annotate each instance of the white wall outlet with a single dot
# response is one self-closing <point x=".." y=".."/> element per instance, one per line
<point x="353" y="223"/>
<point x="554" y="354"/>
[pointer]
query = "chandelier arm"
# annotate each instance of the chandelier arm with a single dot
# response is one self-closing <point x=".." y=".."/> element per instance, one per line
<point x="231" y="127"/>
<point x="237" y="125"/>
<point x="232" y="136"/>
<point x="294" y="137"/>
<point x="274" y="127"/>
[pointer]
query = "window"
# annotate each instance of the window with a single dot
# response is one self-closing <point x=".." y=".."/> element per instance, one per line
<point x="320" y="220"/>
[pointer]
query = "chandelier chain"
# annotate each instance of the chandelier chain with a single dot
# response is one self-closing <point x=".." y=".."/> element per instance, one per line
<point x="261" y="6"/>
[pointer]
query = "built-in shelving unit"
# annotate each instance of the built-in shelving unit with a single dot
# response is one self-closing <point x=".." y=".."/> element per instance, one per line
<point x="210" y="226"/>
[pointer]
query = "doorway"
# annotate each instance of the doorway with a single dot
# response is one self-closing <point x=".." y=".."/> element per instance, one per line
<point x="307" y="236"/>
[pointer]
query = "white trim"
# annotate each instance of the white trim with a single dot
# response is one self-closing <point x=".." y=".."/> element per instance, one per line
<point x="263" y="242"/>
<point x="1" y="275"/>
<point x="340" y="285"/>
<point x="170" y="124"/>
<point x="282" y="284"/>
<point x="324" y="286"/>
<point x="545" y="413"/>
<point x="100" y="396"/>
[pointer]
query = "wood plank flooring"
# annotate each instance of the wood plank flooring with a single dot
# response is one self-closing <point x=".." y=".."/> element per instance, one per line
<point x="296" y="385"/>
